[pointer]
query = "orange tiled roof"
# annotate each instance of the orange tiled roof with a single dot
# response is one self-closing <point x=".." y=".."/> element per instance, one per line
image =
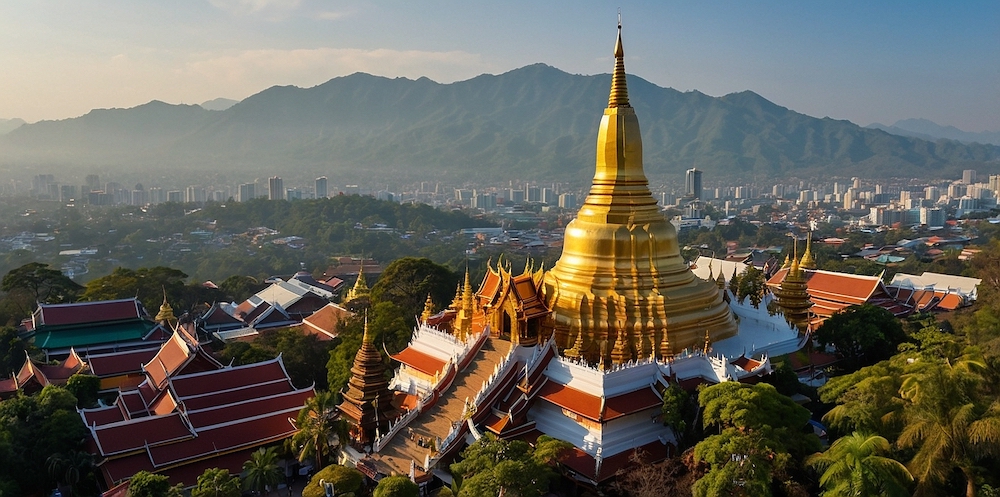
<point x="420" y="361"/>
<point x="589" y="406"/>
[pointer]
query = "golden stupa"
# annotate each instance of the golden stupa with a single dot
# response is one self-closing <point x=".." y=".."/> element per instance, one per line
<point x="621" y="277"/>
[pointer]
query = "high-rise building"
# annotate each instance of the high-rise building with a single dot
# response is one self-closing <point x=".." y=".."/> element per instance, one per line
<point x="248" y="191"/>
<point x="293" y="194"/>
<point x="567" y="201"/>
<point x="549" y="196"/>
<point x="275" y="188"/>
<point x="692" y="183"/>
<point x="969" y="176"/>
<point x="322" y="190"/>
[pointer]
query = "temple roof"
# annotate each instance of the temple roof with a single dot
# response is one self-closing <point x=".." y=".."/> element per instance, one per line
<point x="324" y="322"/>
<point x="420" y="361"/>
<point x="84" y="313"/>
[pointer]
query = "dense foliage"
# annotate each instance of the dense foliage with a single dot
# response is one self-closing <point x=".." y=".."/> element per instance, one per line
<point x="493" y="466"/>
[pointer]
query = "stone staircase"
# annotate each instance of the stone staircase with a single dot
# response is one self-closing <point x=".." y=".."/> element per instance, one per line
<point x="437" y="422"/>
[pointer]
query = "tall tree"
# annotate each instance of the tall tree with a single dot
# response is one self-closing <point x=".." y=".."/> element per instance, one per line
<point x="857" y="465"/>
<point x="316" y="422"/>
<point x="262" y="470"/>
<point x="948" y="423"/>
<point x="35" y="282"/>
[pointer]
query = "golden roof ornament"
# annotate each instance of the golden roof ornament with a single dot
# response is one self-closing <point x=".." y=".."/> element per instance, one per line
<point x="166" y="314"/>
<point x="619" y="90"/>
<point x="428" y="309"/>
<point x="807" y="261"/>
<point x="360" y="288"/>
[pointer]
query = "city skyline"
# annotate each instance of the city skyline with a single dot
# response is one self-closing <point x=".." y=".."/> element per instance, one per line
<point x="865" y="63"/>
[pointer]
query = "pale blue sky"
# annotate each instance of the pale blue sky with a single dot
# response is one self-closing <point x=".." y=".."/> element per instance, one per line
<point x="865" y="61"/>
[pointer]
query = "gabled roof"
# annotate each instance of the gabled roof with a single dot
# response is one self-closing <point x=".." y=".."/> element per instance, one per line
<point x="119" y="332"/>
<point x="216" y="318"/>
<point x="272" y="316"/>
<point x="420" y="361"/>
<point x="49" y="374"/>
<point x="323" y="323"/>
<point x="83" y="313"/>
<point x="595" y="408"/>
<point x="178" y="354"/>
<point x="200" y="420"/>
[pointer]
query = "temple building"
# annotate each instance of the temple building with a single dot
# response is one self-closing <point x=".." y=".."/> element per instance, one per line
<point x="189" y="412"/>
<point x="368" y="401"/>
<point x="621" y="272"/>
<point x="581" y="352"/>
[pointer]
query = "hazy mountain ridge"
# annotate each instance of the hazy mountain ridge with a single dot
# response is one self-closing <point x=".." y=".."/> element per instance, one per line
<point x="929" y="130"/>
<point x="8" y="125"/>
<point x="536" y="121"/>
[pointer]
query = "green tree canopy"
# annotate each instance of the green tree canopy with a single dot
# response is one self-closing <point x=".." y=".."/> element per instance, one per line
<point x="406" y="282"/>
<point x="862" y="335"/>
<point x="316" y="422"/>
<point x="857" y="465"/>
<point x="396" y="486"/>
<point x="35" y="282"/>
<point x="493" y="466"/>
<point x="346" y="481"/>
<point x="215" y="482"/>
<point x="146" y="484"/>
<point x="761" y="433"/>
<point x="262" y="470"/>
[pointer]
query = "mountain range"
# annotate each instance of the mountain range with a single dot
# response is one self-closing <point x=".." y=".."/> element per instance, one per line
<point x="535" y="122"/>
<point x="929" y="130"/>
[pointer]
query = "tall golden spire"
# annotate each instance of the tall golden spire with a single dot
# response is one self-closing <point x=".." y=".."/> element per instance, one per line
<point x="619" y="91"/>
<point x="621" y="246"/>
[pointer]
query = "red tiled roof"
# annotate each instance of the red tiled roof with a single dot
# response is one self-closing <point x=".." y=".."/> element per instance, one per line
<point x="585" y="464"/>
<point x="420" y="361"/>
<point x="627" y="403"/>
<point x="8" y="385"/>
<point x="227" y="379"/>
<point x="216" y="315"/>
<point x="134" y="434"/>
<point x="88" y="312"/>
<point x="248" y="408"/>
<point x="324" y="322"/>
<point x="118" y="363"/>
<point x="102" y="415"/>
<point x="572" y="399"/>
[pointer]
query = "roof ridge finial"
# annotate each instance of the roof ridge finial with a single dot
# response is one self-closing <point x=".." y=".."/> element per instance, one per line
<point x="619" y="91"/>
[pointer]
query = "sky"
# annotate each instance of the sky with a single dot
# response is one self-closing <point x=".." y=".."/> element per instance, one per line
<point x="863" y="61"/>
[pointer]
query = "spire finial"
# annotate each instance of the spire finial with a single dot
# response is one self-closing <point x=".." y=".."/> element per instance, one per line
<point x="366" y="338"/>
<point x="619" y="92"/>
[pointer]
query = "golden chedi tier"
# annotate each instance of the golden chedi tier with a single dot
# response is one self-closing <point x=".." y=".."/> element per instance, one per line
<point x="621" y="271"/>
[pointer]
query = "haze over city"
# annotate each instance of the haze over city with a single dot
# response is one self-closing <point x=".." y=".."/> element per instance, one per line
<point x="855" y="60"/>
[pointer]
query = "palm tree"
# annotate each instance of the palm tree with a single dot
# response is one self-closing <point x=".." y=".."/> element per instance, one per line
<point x="317" y="426"/>
<point x="262" y="470"/>
<point x="854" y="465"/>
<point x="948" y="422"/>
